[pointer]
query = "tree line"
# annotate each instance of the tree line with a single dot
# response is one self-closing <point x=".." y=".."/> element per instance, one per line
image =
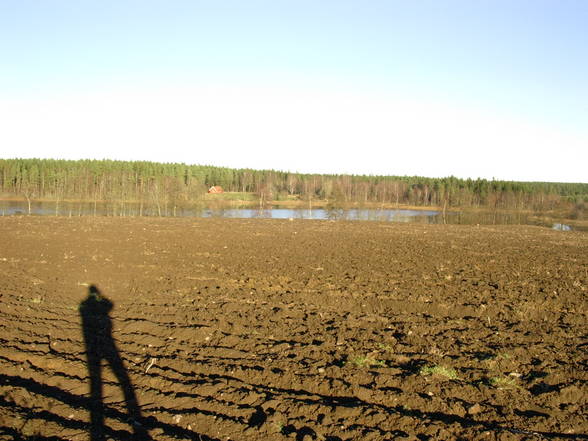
<point x="166" y="186"/>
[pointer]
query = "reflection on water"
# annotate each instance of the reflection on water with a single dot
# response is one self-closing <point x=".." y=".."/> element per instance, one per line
<point x="354" y="214"/>
<point x="562" y="227"/>
<point x="135" y="209"/>
<point x="324" y="214"/>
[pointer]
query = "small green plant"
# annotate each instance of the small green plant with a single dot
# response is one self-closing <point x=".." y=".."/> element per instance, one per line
<point x="384" y="347"/>
<point x="496" y="357"/>
<point x="37" y="300"/>
<point x="367" y="361"/>
<point x="439" y="370"/>
<point x="499" y="359"/>
<point x="503" y="382"/>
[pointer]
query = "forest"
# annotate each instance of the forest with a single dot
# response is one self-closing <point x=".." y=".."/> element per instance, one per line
<point x="166" y="186"/>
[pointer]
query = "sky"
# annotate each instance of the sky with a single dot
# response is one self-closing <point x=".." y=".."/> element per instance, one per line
<point x="469" y="88"/>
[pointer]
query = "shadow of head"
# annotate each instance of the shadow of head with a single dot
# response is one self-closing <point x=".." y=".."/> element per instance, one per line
<point x="94" y="292"/>
<point x="96" y="299"/>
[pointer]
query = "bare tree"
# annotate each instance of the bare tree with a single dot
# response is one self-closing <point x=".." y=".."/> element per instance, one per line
<point x="28" y="192"/>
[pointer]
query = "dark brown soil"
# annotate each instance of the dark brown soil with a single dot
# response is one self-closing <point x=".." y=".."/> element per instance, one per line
<point x="301" y="330"/>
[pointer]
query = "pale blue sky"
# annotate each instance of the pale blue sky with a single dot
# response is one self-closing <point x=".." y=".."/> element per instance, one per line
<point x="470" y="88"/>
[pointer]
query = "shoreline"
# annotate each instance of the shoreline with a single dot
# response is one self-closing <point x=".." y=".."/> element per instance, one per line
<point x="213" y="203"/>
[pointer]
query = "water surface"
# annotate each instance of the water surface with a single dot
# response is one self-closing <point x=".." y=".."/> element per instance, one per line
<point x="47" y="208"/>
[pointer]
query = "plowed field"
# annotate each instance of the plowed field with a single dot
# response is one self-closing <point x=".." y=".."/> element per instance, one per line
<point x="305" y="330"/>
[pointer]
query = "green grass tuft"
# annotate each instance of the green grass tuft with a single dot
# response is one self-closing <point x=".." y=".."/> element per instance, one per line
<point x="503" y="382"/>
<point x="438" y="370"/>
<point x="367" y="361"/>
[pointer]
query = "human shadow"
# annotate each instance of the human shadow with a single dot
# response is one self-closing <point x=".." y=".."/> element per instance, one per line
<point x="100" y="345"/>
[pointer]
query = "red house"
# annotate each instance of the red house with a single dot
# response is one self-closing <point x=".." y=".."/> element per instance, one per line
<point x="216" y="189"/>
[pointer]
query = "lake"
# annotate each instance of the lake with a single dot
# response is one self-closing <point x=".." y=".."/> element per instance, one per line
<point x="47" y="208"/>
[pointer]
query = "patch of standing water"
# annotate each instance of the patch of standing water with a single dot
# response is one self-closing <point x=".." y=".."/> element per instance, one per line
<point x="66" y="208"/>
<point x="561" y="227"/>
<point x="325" y="214"/>
<point x="131" y="209"/>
